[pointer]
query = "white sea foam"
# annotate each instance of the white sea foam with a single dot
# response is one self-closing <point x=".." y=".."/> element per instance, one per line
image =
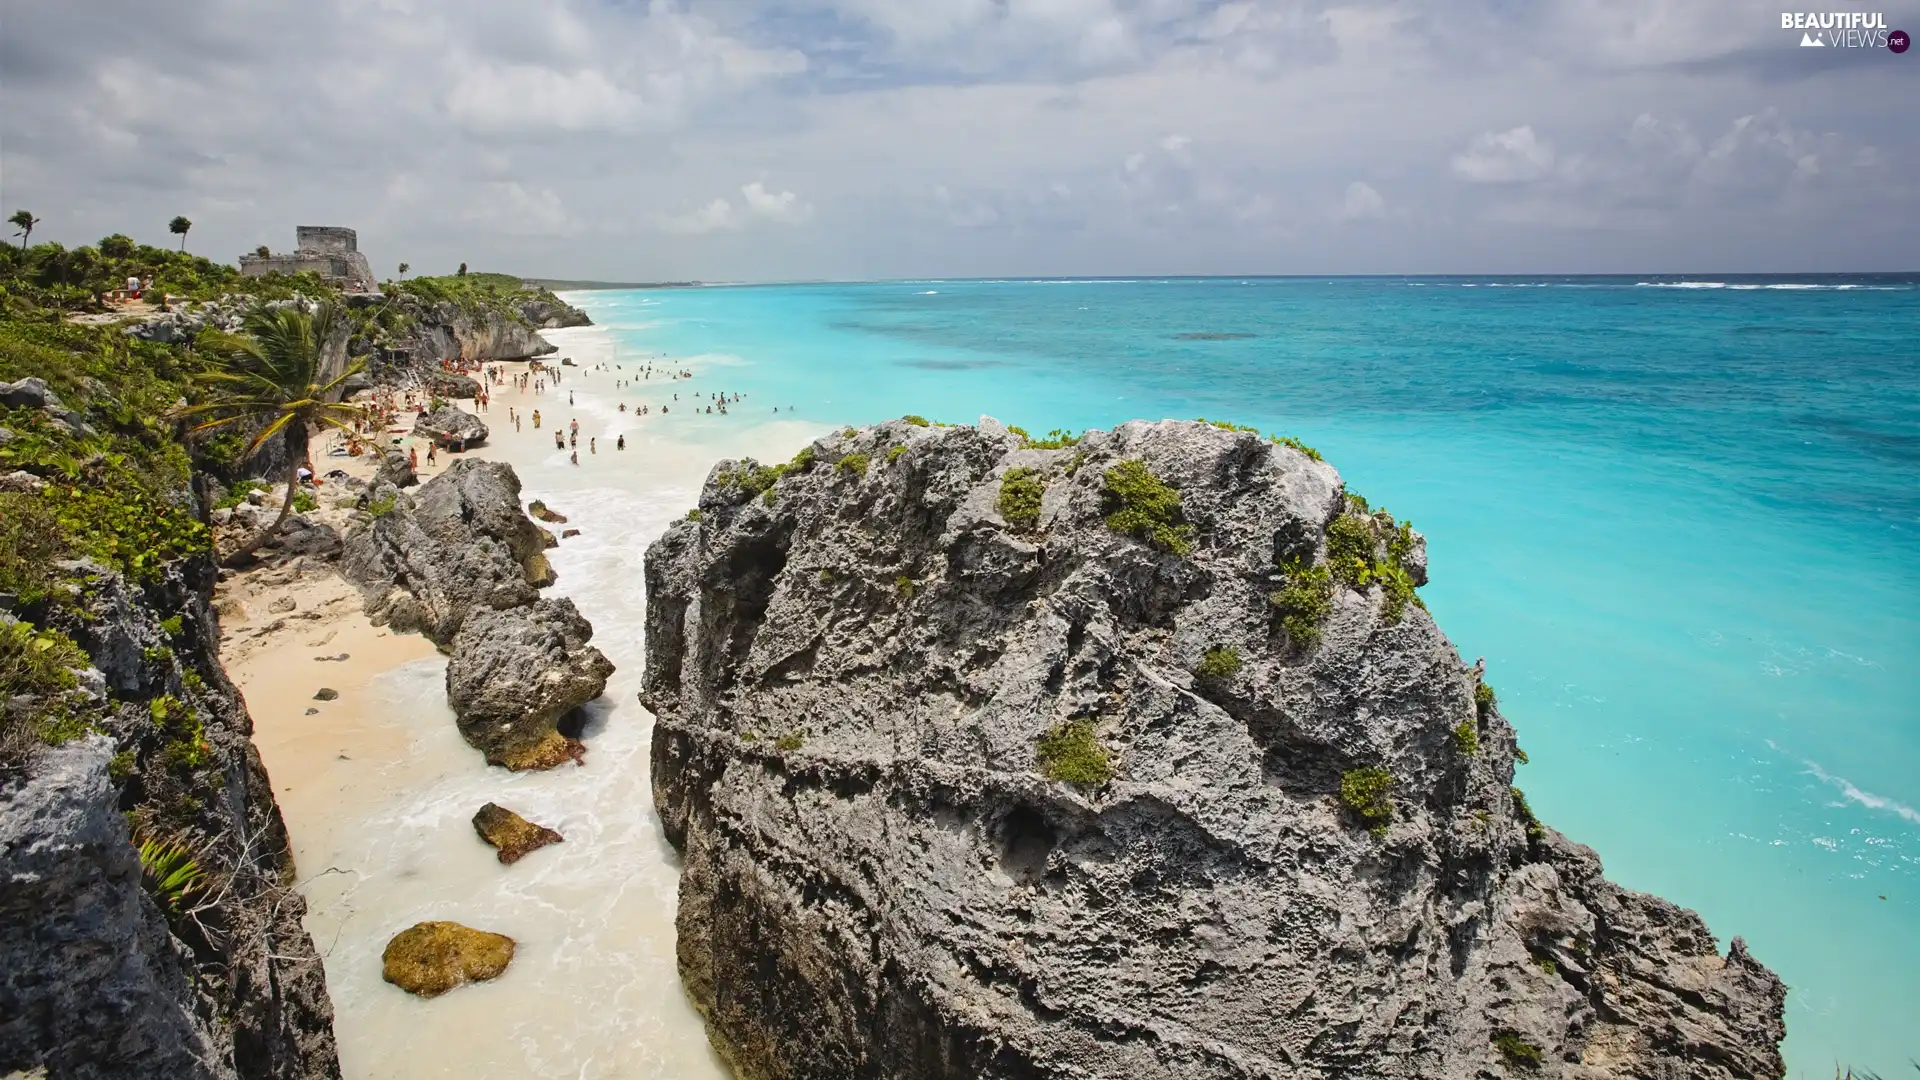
<point x="1853" y="794"/>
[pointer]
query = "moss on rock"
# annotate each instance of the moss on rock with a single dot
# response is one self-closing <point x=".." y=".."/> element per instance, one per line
<point x="512" y="834"/>
<point x="431" y="958"/>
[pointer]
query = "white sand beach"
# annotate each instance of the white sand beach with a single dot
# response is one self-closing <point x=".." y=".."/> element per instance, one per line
<point x="378" y="787"/>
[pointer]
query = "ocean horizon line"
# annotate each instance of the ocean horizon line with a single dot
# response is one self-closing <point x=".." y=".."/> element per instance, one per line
<point x="1706" y="277"/>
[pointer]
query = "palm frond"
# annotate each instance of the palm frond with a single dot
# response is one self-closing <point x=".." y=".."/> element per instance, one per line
<point x="267" y="433"/>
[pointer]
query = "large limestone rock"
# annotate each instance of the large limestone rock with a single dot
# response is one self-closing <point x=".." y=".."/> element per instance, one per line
<point x="446" y="384"/>
<point x="395" y="469"/>
<point x="431" y="958"/>
<point x="456" y="544"/>
<point x="1296" y="865"/>
<point x="97" y="977"/>
<point x="448" y="425"/>
<point x="90" y="980"/>
<point x="515" y="674"/>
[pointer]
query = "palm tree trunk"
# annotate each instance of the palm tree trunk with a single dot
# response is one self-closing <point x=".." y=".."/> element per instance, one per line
<point x="296" y="443"/>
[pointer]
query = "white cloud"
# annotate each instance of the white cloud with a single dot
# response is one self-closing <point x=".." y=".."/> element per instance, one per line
<point x="1107" y="135"/>
<point x="757" y="204"/>
<point x="1361" y="203"/>
<point x="1506" y="157"/>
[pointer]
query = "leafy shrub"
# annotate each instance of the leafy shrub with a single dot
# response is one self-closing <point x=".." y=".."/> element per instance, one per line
<point x="37" y="684"/>
<point x="1399" y="589"/>
<point x="169" y="872"/>
<point x="693" y="514"/>
<point x="1368" y="793"/>
<point x="1057" y="439"/>
<point x="1296" y="444"/>
<point x="849" y="433"/>
<point x="382" y="506"/>
<point x="30" y="541"/>
<point x="904" y="586"/>
<point x="1466" y="737"/>
<point x="1350" y="551"/>
<point x="1483" y="699"/>
<point x="855" y="464"/>
<point x="1357" y="503"/>
<point x="1535" y="831"/>
<point x="893" y="453"/>
<point x="1143" y="505"/>
<point x="239" y="492"/>
<point x="1020" y="493"/>
<point x="916" y="421"/>
<point x="826" y="576"/>
<point x="1518" y="1051"/>
<point x="304" y="502"/>
<point x="173" y="625"/>
<point x="1228" y="425"/>
<point x="1219" y="662"/>
<point x="1304" y="601"/>
<point x="1071" y="752"/>
<point x="789" y="742"/>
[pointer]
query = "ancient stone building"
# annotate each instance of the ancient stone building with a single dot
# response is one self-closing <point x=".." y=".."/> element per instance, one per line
<point x="327" y="250"/>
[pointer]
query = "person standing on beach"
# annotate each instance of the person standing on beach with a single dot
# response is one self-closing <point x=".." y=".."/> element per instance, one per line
<point x="575" y="456"/>
<point x="593" y="445"/>
<point x="536" y="419"/>
<point x="413" y="459"/>
<point x="620" y="443"/>
<point x="430" y="446"/>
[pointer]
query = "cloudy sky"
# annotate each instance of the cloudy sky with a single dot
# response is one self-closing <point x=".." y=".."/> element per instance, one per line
<point x="748" y="140"/>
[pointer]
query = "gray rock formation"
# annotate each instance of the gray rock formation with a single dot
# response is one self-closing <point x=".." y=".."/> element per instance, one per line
<point x="448" y="385"/>
<point x="456" y="544"/>
<point x="99" y="975"/>
<point x="448" y="425"/>
<point x="515" y="674"/>
<point x="447" y="331"/>
<point x="396" y="470"/>
<point x="552" y="315"/>
<point x="1309" y="862"/>
<point x="90" y="977"/>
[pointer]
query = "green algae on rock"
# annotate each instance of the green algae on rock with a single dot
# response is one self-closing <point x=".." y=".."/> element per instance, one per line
<point x="431" y="958"/>
<point x="512" y="834"/>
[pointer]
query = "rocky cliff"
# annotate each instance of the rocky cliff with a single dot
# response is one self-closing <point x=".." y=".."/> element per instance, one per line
<point x="1137" y="757"/>
<point x="184" y="956"/>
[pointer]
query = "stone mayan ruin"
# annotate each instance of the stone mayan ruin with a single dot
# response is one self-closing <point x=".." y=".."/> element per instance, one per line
<point x="327" y="250"/>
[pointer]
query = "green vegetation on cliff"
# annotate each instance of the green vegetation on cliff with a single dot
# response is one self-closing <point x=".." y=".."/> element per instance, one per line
<point x="1143" y="505"/>
<point x="1070" y="751"/>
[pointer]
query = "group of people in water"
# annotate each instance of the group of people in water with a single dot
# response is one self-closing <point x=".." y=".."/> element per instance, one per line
<point x="539" y="376"/>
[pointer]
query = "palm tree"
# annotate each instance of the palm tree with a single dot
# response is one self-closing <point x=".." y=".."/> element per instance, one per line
<point x="270" y="377"/>
<point x="179" y="226"/>
<point x="24" y="223"/>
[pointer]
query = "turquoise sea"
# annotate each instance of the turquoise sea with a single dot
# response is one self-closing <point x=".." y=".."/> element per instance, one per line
<point x="1680" y="518"/>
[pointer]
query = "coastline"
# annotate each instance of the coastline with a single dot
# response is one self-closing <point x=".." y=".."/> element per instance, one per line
<point x="377" y="785"/>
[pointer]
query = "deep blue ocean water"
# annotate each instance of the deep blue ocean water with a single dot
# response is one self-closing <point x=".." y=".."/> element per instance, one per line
<point x="1679" y="518"/>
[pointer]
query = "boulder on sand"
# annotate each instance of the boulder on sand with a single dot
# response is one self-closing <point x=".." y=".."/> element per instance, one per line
<point x="456" y="543"/>
<point x="395" y="469"/>
<point x="431" y="958"/>
<point x="540" y="510"/>
<point x="448" y="385"/>
<point x="448" y="425"/>
<point x="514" y="674"/>
<point x="513" y="835"/>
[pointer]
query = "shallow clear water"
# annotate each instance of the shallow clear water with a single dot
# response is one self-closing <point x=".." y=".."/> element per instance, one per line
<point x="1680" y="521"/>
